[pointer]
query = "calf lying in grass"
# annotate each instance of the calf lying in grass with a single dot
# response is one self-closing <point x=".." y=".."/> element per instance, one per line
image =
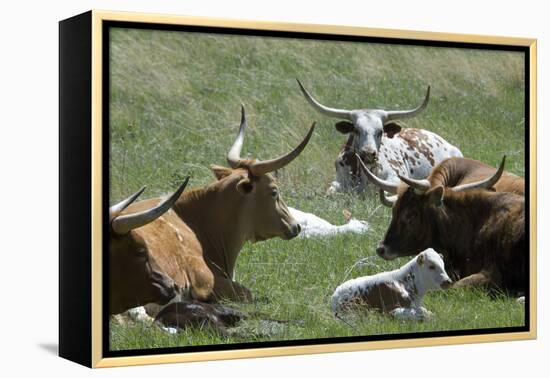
<point x="314" y="226"/>
<point x="398" y="292"/>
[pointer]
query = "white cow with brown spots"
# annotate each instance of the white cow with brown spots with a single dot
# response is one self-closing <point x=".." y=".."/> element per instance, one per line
<point x="398" y="292"/>
<point x="387" y="149"/>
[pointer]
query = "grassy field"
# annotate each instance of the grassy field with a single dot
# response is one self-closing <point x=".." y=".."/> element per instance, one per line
<point x="175" y="109"/>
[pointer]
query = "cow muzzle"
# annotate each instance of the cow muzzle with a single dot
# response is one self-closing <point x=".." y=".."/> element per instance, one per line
<point x="166" y="288"/>
<point x="295" y="230"/>
<point x="384" y="252"/>
<point x="446" y="284"/>
<point x="368" y="156"/>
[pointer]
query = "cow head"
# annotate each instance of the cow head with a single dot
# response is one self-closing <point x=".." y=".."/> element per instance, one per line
<point x="367" y="125"/>
<point x="134" y="277"/>
<point x="416" y="207"/>
<point x="261" y="203"/>
<point x="431" y="270"/>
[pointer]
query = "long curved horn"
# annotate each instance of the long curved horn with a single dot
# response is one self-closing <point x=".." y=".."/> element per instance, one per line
<point x="387" y="201"/>
<point x="382" y="184"/>
<point x="483" y="184"/>
<point x="393" y="115"/>
<point x="119" y="207"/>
<point x="419" y="186"/>
<point x="234" y="154"/>
<point x="262" y="167"/>
<point x="332" y="112"/>
<point x="125" y="223"/>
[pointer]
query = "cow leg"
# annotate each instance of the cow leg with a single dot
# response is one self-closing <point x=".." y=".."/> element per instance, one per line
<point x="424" y="314"/>
<point x="120" y="319"/>
<point x="225" y="288"/>
<point x="344" y="180"/>
<point x="169" y="330"/>
<point x="140" y="314"/>
<point x="411" y="313"/>
<point x="334" y="187"/>
<point x="476" y="279"/>
<point x="153" y="309"/>
<point x="401" y="313"/>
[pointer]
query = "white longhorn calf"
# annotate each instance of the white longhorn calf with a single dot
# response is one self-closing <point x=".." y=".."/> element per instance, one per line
<point x="314" y="226"/>
<point x="398" y="292"/>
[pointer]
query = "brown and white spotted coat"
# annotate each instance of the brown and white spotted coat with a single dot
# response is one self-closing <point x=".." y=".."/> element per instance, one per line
<point x="398" y="292"/>
<point x="387" y="149"/>
<point x="410" y="152"/>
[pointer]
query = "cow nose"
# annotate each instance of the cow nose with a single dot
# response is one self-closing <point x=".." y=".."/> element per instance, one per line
<point x="446" y="284"/>
<point x="295" y="229"/>
<point x="381" y="250"/>
<point x="367" y="155"/>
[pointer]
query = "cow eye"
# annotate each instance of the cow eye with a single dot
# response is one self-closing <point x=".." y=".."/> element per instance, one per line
<point x="431" y="267"/>
<point x="140" y="252"/>
<point x="274" y="193"/>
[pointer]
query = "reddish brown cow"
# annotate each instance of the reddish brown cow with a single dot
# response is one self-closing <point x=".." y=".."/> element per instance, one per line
<point x="456" y="172"/>
<point x="481" y="233"/>
<point x="197" y="242"/>
<point x="135" y="278"/>
<point x="459" y="174"/>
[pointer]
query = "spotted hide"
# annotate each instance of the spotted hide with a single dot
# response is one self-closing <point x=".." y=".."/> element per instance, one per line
<point x="383" y="145"/>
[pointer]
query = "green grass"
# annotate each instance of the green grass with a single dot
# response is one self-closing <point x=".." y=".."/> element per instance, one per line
<point x="175" y="109"/>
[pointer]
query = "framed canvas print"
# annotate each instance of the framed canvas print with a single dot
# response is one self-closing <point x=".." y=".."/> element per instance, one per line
<point x="235" y="189"/>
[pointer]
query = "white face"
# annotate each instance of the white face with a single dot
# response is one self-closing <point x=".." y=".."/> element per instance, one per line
<point x="368" y="129"/>
<point x="432" y="269"/>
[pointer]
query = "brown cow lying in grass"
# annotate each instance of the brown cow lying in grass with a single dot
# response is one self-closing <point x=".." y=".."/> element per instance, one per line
<point x="480" y="232"/>
<point x="196" y="242"/>
<point x="135" y="277"/>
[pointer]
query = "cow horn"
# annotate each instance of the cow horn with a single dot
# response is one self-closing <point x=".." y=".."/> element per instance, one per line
<point x="382" y="184"/>
<point x="123" y="224"/>
<point x="419" y="186"/>
<point x="119" y="207"/>
<point x="332" y="112"/>
<point x="234" y="154"/>
<point x="393" y="115"/>
<point x="387" y="201"/>
<point x="262" y="167"/>
<point x="483" y="184"/>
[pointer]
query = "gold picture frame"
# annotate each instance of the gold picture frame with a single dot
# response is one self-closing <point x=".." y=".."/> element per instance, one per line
<point x="86" y="33"/>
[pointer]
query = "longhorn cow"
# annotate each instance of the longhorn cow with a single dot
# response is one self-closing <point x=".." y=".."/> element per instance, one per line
<point x="135" y="277"/>
<point x="386" y="148"/>
<point x="196" y="243"/>
<point x="480" y="232"/>
<point x="459" y="174"/>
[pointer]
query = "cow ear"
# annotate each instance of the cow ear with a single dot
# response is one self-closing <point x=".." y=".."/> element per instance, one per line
<point x="391" y="129"/>
<point x="420" y="259"/>
<point x="220" y="172"/>
<point x="435" y="196"/>
<point x="344" y="127"/>
<point x="245" y="186"/>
